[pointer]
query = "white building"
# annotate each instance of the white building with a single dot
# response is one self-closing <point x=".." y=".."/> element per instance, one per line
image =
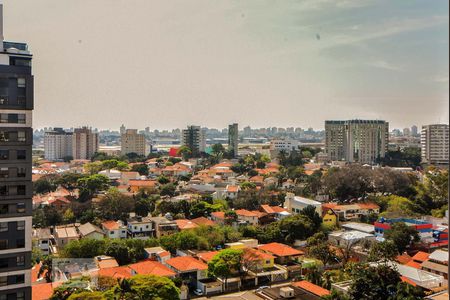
<point x="283" y="144"/>
<point x="57" y="144"/>
<point x="295" y="204"/>
<point x="434" y="142"/>
<point x="133" y="142"/>
<point x="140" y="227"/>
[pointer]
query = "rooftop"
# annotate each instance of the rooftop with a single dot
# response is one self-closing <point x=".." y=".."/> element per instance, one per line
<point x="186" y="263"/>
<point x="280" y="249"/>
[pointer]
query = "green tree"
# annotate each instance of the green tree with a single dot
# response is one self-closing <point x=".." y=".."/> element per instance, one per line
<point x="142" y="169"/>
<point x="92" y="184"/>
<point x="168" y="190"/>
<point x="115" y="205"/>
<point x="87" y="295"/>
<point x="383" y="251"/>
<point x="84" y="248"/>
<point x="185" y="152"/>
<point x="318" y="247"/>
<point x="163" y="179"/>
<point x="146" y="287"/>
<point x="402" y="236"/>
<point x="226" y="263"/>
<point x="45" y="184"/>
<point x="311" y="213"/>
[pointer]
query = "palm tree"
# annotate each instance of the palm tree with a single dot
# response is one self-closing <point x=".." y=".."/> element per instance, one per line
<point x="46" y="269"/>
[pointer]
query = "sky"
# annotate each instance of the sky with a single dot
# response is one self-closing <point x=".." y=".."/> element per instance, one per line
<point x="167" y="64"/>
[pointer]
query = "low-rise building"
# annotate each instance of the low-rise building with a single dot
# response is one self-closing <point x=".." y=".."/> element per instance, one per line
<point x="65" y="234"/>
<point x="295" y="204"/>
<point x="188" y="268"/>
<point x="90" y="231"/>
<point x="150" y="267"/>
<point x="163" y="226"/>
<point x="351" y="212"/>
<point x="140" y="227"/>
<point x="115" y="229"/>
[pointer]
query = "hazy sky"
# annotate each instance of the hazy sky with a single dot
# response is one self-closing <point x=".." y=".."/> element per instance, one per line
<point x="168" y="63"/>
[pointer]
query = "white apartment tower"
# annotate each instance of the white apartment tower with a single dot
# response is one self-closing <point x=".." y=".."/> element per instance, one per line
<point x="359" y="141"/>
<point x="434" y="143"/>
<point x="84" y="143"/>
<point x="133" y="142"/>
<point x="57" y="144"/>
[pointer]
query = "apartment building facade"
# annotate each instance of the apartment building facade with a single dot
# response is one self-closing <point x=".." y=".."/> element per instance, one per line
<point x="16" y="138"/>
<point x="57" y="144"/>
<point x="194" y="138"/>
<point x="133" y="142"/>
<point x="233" y="139"/>
<point x="359" y="141"/>
<point x="434" y="144"/>
<point x="84" y="143"/>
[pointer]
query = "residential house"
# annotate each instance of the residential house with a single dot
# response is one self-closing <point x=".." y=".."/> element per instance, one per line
<point x="104" y="262"/>
<point x="151" y="267"/>
<point x="184" y="224"/>
<point x="188" y="268"/>
<point x="115" y="229"/>
<point x="349" y="238"/>
<point x="44" y="240"/>
<point x="260" y="265"/>
<point x="283" y="253"/>
<point x="311" y="288"/>
<point x="232" y="191"/>
<point x="116" y="272"/>
<point x="351" y="212"/>
<point x="218" y="217"/>
<point x="148" y="185"/>
<point x="64" y="234"/>
<point x="127" y="176"/>
<point x="163" y="226"/>
<point x="437" y="263"/>
<point x="329" y="217"/>
<point x="90" y="231"/>
<point x="202" y="221"/>
<point x="140" y="227"/>
<point x="157" y="254"/>
<point x="295" y="204"/>
<point x="247" y="217"/>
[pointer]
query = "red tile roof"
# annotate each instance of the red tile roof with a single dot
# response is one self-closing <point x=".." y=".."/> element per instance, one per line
<point x="185" y="224"/>
<point x="207" y="256"/>
<point x="232" y="188"/>
<point x="203" y="221"/>
<point x="421" y="256"/>
<point x="186" y="263"/>
<point x="413" y="264"/>
<point x="280" y="250"/>
<point x="403" y="259"/>
<point x="245" y="213"/>
<point x="144" y="183"/>
<point x="116" y="272"/>
<point x="253" y="254"/>
<point x="311" y="287"/>
<point x="150" y="267"/>
<point x="110" y="225"/>
<point x="41" y="291"/>
<point x="218" y="214"/>
<point x="272" y="209"/>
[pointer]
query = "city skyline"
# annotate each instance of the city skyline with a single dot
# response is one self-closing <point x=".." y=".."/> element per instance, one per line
<point x="258" y="61"/>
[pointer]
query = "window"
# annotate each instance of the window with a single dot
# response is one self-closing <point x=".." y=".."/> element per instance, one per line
<point x="4" y="154"/>
<point x="3" y="226"/>
<point x="20" y="261"/>
<point x="21" y="83"/>
<point x="4" y="136"/>
<point x="20" y="225"/>
<point x="18" y="279"/>
<point x="3" y="244"/>
<point x="21" y="118"/>
<point x="4" y="172"/>
<point x="4" y="208"/>
<point x="21" y="137"/>
<point x="111" y="232"/>
<point x="3" y="280"/>
<point x="21" y="190"/>
<point x="20" y="243"/>
<point x="21" y="172"/>
<point x="3" y="118"/>
<point x="4" y="263"/>
<point x="21" y="154"/>
<point x="4" y="191"/>
<point x="20" y="296"/>
<point x="20" y="207"/>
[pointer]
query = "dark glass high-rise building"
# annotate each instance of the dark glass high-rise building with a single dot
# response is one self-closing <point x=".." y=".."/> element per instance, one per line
<point x="16" y="138"/>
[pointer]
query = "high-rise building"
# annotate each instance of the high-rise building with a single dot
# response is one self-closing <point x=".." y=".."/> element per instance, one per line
<point x="84" y="143"/>
<point x="406" y="132"/>
<point x="133" y="142"/>
<point x="16" y="189"/>
<point x="122" y="129"/>
<point x="361" y="141"/>
<point x="57" y="144"/>
<point x="194" y="138"/>
<point x="414" y="130"/>
<point x="434" y="143"/>
<point x="233" y="139"/>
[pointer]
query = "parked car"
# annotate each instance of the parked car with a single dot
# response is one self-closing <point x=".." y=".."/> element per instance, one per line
<point x="198" y="292"/>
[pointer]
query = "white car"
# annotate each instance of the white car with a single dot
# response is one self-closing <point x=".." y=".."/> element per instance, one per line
<point x="198" y="292"/>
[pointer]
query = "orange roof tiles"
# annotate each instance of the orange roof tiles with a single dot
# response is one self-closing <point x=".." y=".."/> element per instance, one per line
<point x="150" y="267"/>
<point x="403" y="259"/>
<point x="311" y="287"/>
<point x="232" y="188"/>
<point x="245" y="213"/>
<point x="116" y="272"/>
<point x="207" y="256"/>
<point x="272" y="209"/>
<point x="202" y="221"/>
<point x="257" y="179"/>
<point x="186" y="263"/>
<point x="280" y="250"/>
<point x="185" y="224"/>
<point x="254" y="254"/>
<point x="41" y="291"/>
<point x="110" y="225"/>
<point x="144" y="183"/>
<point x="413" y="264"/>
<point x="421" y="256"/>
<point x="218" y="214"/>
